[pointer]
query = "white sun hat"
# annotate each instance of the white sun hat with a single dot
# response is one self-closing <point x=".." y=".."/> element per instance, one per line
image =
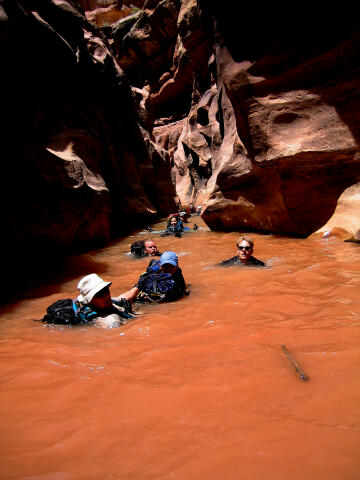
<point x="89" y="286"/>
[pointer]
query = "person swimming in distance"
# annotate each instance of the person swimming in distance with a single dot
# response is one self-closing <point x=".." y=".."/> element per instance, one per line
<point x="175" y="227"/>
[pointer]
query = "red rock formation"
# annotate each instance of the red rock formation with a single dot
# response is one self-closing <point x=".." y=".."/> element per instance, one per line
<point x="276" y="133"/>
<point x="257" y="112"/>
<point x="76" y="166"/>
<point x="118" y="4"/>
<point x="167" y="51"/>
<point x="288" y="119"/>
<point x="345" y="222"/>
<point x="103" y="14"/>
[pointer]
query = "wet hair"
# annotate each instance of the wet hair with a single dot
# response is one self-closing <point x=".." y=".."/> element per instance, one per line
<point x="247" y="239"/>
<point x="148" y="240"/>
<point x="137" y="248"/>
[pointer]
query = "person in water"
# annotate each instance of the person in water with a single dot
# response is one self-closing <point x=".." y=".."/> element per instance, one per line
<point x="169" y="263"/>
<point x="162" y="281"/>
<point x="245" y="249"/>
<point x="150" y="248"/>
<point x="145" y="248"/>
<point x="191" y="209"/>
<point x="94" y="303"/>
<point x="175" y="227"/>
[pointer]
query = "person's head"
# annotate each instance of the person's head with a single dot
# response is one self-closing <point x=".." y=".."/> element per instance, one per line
<point x="169" y="262"/>
<point x="94" y="291"/>
<point x="173" y="221"/>
<point x="245" y="248"/>
<point x="150" y="247"/>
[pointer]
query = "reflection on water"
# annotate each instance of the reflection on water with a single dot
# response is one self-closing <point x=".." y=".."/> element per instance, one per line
<point x="196" y="389"/>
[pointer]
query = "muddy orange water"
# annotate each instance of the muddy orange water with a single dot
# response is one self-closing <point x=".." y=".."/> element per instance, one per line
<point x="198" y="389"/>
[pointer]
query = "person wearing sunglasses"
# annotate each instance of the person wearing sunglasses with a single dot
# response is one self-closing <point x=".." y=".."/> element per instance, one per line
<point x="245" y="249"/>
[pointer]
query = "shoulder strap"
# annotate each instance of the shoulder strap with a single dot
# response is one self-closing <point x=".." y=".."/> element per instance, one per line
<point x="84" y="312"/>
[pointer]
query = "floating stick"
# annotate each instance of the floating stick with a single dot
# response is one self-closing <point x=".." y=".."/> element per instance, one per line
<point x="302" y="375"/>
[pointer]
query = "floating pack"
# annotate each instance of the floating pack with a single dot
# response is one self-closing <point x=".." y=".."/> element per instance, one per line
<point x="153" y="267"/>
<point x="69" y="312"/>
<point x="61" y="312"/>
<point x="138" y="248"/>
<point x="155" y="282"/>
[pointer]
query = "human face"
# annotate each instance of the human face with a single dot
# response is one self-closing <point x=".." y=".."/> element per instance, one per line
<point x="102" y="299"/>
<point x="169" y="268"/>
<point x="244" y="251"/>
<point x="150" y="248"/>
<point x="173" y="222"/>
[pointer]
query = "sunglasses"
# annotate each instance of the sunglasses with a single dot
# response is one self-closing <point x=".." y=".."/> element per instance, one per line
<point x="244" y="248"/>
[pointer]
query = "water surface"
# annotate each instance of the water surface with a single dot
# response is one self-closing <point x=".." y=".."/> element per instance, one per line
<point x="194" y="390"/>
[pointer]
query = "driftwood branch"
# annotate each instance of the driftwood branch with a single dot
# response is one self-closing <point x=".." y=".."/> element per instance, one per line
<point x="302" y="375"/>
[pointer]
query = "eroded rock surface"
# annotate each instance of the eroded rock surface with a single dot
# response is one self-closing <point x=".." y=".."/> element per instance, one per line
<point x="289" y="121"/>
<point x="249" y="111"/>
<point x="77" y="167"/>
<point x="271" y="107"/>
<point x="345" y="222"/>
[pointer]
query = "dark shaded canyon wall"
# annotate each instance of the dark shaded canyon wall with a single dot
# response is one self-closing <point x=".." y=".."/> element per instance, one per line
<point x="77" y="165"/>
<point x="271" y="139"/>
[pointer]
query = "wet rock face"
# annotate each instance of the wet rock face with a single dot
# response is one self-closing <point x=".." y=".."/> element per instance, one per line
<point x="76" y="166"/>
<point x="267" y="102"/>
<point x="288" y="118"/>
<point x="165" y="50"/>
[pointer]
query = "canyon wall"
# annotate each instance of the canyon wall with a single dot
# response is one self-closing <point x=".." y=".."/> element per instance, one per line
<point x="251" y="112"/>
<point x="288" y="102"/>
<point x="78" y="167"/>
<point x="258" y="108"/>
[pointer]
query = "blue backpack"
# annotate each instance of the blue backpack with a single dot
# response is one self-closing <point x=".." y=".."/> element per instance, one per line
<point x="154" y="282"/>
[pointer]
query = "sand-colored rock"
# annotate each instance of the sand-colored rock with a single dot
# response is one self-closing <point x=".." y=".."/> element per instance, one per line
<point x="345" y="222"/>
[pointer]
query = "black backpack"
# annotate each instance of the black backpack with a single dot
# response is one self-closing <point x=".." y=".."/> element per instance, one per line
<point x="138" y="248"/>
<point x="61" y="312"/>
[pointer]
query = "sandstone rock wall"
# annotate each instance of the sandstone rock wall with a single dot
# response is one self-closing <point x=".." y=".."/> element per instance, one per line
<point x="253" y="112"/>
<point x="77" y="166"/>
<point x="288" y="111"/>
<point x="258" y="108"/>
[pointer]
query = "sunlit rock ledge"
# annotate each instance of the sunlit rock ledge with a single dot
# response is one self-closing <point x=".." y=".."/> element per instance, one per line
<point x="345" y="222"/>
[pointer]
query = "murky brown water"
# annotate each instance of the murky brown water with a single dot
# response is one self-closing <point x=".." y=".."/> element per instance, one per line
<point x="198" y="389"/>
